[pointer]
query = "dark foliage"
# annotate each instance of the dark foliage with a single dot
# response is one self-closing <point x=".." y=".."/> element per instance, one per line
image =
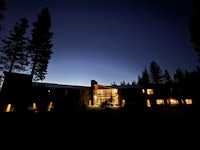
<point x="40" y="45"/>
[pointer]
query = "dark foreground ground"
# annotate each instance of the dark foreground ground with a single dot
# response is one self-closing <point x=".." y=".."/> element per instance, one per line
<point x="121" y="119"/>
<point x="103" y="129"/>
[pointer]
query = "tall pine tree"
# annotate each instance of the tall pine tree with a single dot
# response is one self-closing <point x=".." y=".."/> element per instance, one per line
<point x="179" y="76"/>
<point x="145" y="77"/>
<point x="156" y="73"/>
<point x="40" y="45"/>
<point x="167" y="78"/>
<point x="14" y="56"/>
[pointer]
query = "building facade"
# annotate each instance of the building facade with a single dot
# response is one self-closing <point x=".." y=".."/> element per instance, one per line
<point x="19" y="93"/>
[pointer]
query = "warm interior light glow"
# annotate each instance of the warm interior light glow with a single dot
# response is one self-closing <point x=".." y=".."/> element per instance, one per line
<point x="50" y="106"/>
<point x="123" y="102"/>
<point x="173" y="101"/>
<point x="110" y="95"/>
<point x="34" y="106"/>
<point x="148" y="103"/>
<point x="8" y="108"/>
<point x="160" y="102"/>
<point x="94" y="100"/>
<point x="90" y="103"/>
<point x="188" y="101"/>
<point x="143" y="90"/>
<point x="105" y="94"/>
<point x="149" y="91"/>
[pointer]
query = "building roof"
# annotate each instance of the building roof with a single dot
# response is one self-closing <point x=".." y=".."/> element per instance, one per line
<point x="54" y="85"/>
<point x="127" y="86"/>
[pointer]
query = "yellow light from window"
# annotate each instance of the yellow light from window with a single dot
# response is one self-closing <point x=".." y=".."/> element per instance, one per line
<point x="90" y="103"/>
<point x="123" y="102"/>
<point x="148" y="103"/>
<point x="149" y="91"/>
<point x="50" y="106"/>
<point x="143" y="90"/>
<point x="173" y="101"/>
<point x="8" y="108"/>
<point x="34" y="106"/>
<point x="160" y="102"/>
<point x="182" y="101"/>
<point x="188" y="101"/>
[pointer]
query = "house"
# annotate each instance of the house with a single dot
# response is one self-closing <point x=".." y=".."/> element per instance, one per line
<point x="19" y="93"/>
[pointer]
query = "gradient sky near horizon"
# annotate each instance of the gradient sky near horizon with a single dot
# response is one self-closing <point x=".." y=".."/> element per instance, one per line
<point x="110" y="40"/>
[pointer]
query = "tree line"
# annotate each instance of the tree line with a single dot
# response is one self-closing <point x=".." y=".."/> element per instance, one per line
<point x="155" y="75"/>
<point x="23" y="52"/>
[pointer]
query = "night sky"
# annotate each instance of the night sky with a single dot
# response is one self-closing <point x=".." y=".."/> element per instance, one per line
<point x="110" y="41"/>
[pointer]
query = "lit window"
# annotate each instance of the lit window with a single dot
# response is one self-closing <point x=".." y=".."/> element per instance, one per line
<point x="50" y="106"/>
<point x="143" y="90"/>
<point x="149" y="91"/>
<point x="188" y="101"/>
<point x="160" y="102"/>
<point x="148" y="103"/>
<point x="90" y="103"/>
<point x="34" y="106"/>
<point x="8" y="108"/>
<point x="123" y="102"/>
<point x="173" y="101"/>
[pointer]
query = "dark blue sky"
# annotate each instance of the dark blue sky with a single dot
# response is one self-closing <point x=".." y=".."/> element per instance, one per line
<point x="111" y="41"/>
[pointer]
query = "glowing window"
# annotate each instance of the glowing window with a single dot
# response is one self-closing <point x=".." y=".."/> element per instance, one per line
<point x="34" y="106"/>
<point x="8" y="108"/>
<point x="173" y="101"/>
<point x="123" y="102"/>
<point x="90" y="103"/>
<point x="148" y="103"/>
<point x="50" y="106"/>
<point x="182" y="101"/>
<point x="143" y="90"/>
<point x="149" y="91"/>
<point x="188" y="101"/>
<point x="160" y="102"/>
<point x="114" y="92"/>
